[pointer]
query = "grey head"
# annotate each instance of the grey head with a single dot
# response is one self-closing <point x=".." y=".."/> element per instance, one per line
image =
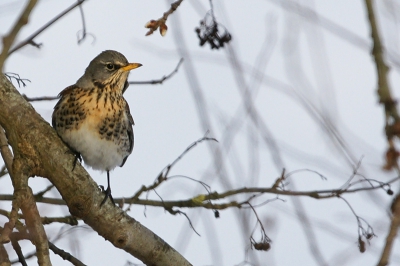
<point x="108" y="68"/>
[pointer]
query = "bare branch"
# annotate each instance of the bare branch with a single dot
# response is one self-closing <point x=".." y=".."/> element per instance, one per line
<point x="29" y="40"/>
<point x="3" y="171"/>
<point x="18" y="250"/>
<point x="15" y="76"/>
<point x="202" y="200"/>
<point x="5" y="150"/>
<point x="9" y="226"/>
<point x="9" y="39"/>
<point x="164" y="173"/>
<point x="41" y="193"/>
<point x="265" y="242"/>
<point x="71" y="220"/>
<point x="368" y="233"/>
<point x="24" y="195"/>
<point x="391" y="237"/>
<point x="37" y="99"/>
<point x="175" y="212"/>
<point x="83" y="31"/>
<point x="65" y="255"/>
<point x="161" y="80"/>
<point x="392" y="119"/>
<point x="153" y="25"/>
<point x="4" y="260"/>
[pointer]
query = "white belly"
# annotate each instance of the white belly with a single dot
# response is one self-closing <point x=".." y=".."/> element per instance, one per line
<point x="100" y="154"/>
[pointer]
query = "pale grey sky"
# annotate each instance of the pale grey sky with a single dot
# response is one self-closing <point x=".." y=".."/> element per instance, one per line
<point x="283" y="56"/>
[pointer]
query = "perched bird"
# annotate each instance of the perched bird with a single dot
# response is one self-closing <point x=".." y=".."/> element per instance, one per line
<point x="93" y="118"/>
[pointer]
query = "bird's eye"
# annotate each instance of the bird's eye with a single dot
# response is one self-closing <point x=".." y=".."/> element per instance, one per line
<point x="110" y="66"/>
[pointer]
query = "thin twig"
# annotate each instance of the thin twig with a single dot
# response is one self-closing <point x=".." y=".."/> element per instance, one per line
<point x="37" y="99"/>
<point x="29" y="40"/>
<point x="3" y="171"/>
<point x="368" y="233"/>
<point x="41" y="193"/>
<point x="84" y="32"/>
<point x="161" y="80"/>
<point x="9" y="39"/>
<point x="11" y="76"/>
<point x="153" y="25"/>
<point x="65" y="255"/>
<point x="164" y="173"/>
<point x="174" y="212"/>
<point x="70" y="220"/>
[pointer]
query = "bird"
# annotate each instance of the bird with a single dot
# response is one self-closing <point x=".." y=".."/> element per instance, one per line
<point x="93" y="118"/>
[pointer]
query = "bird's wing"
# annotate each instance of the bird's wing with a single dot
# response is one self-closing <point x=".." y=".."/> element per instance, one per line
<point x="126" y="85"/>
<point x="64" y="92"/>
<point x="129" y="130"/>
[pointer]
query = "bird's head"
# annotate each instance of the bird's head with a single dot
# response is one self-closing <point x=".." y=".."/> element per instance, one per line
<point x="110" y="68"/>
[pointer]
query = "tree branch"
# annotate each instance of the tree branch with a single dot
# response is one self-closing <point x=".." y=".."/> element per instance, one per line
<point x="391" y="128"/>
<point x="65" y="255"/>
<point x="161" y="80"/>
<point x="33" y="138"/>
<point x="9" y="39"/>
<point x="203" y="200"/>
<point x="5" y="150"/>
<point x="37" y="99"/>
<point x="29" y="40"/>
<point x="24" y="196"/>
<point x="153" y="25"/>
<point x="4" y="260"/>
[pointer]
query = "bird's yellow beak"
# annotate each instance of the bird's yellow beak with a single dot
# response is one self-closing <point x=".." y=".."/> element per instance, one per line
<point x="131" y="66"/>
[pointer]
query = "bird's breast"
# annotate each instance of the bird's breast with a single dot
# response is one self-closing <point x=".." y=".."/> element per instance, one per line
<point x="95" y="124"/>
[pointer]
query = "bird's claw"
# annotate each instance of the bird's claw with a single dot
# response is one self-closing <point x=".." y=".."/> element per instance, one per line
<point x="77" y="157"/>
<point x="108" y="195"/>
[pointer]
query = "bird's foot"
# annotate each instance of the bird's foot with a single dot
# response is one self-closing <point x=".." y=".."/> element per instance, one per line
<point x="77" y="157"/>
<point x="108" y="195"/>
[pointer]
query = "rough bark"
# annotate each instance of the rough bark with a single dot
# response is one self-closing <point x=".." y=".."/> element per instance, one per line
<point x="36" y="142"/>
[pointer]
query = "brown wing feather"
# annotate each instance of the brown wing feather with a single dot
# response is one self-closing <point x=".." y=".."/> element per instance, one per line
<point x="64" y="92"/>
<point x="129" y="131"/>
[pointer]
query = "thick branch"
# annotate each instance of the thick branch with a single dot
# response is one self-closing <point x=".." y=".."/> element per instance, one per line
<point x="33" y="138"/>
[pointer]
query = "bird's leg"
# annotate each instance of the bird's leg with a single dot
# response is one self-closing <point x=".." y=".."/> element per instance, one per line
<point x="107" y="191"/>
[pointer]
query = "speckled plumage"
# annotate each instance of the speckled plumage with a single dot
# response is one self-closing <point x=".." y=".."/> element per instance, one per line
<point x="93" y="118"/>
